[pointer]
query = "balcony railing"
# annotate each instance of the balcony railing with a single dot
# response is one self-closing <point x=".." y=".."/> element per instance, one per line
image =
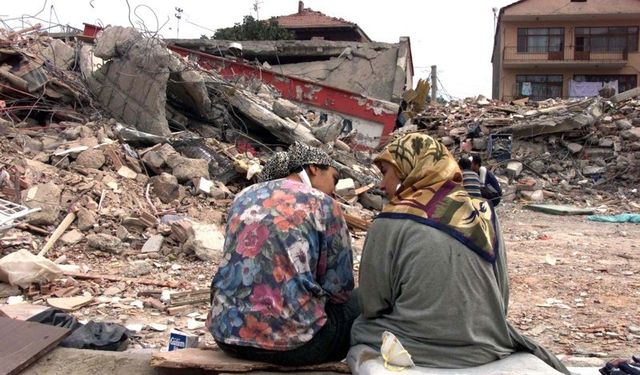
<point x="567" y="54"/>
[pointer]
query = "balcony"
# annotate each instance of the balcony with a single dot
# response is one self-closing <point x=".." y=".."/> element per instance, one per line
<point x="566" y="58"/>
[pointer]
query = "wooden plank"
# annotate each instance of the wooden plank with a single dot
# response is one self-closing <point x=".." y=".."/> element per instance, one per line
<point x="91" y="276"/>
<point x="356" y="222"/>
<point x="22" y="311"/>
<point x="190" y="298"/>
<point x="364" y="189"/>
<point x="28" y="342"/>
<point x="214" y="360"/>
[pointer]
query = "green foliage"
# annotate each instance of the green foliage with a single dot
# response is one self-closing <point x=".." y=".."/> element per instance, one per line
<point x="252" y="29"/>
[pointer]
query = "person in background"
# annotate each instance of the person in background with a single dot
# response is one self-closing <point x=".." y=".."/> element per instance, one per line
<point x="283" y="290"/>
<point x="434" y="267"/>
<point x="489" y="185"/>
<point x="470" y="179"/>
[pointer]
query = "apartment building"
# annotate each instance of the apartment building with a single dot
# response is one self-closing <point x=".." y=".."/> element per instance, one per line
<point x="565" y="48"/>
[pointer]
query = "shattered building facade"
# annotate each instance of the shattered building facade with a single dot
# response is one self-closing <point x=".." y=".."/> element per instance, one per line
<point x="333" y="69"/>
<point x="567" y="49"/>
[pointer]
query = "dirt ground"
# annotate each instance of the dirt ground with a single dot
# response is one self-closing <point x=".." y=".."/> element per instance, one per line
<point x="574" y="283"/>
<point x="574" y="286"/>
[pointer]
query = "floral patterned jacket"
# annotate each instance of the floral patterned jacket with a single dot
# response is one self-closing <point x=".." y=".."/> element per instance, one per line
<point x="287" y="252"/>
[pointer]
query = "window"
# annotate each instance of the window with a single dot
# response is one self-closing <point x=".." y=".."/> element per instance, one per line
<point x="607" y="39"/>
<point x="538" y="40"/>
<point x="625" y="82"/>
<point x="539" y="87"/>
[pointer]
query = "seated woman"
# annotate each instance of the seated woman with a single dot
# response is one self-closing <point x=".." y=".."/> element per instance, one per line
<point x="282" y="293"/>
<point x="433" y="270"/>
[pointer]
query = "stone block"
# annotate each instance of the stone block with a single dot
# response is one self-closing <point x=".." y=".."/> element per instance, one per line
<point x="86" y="219"/>
<point x="153" y="244"/>
<point x="72" y="237"/>
<point x="47" y="197"/>
<point x="92" y="158"/>
<point x="533" y="195"/>
<point x="480" y="144"/>
<point x="623" y="124"/>
<point x="345" y="187"/>
<point x="591" y="169"/>
<point x="105" y="242"/>
<point x="185" y="169"/>
<point x="138" y="268"/>
<point x="285" y="109"/>
<point x="165" y="187"/>
<point x="574" y="148"/>
<point x="631" y="134"/>
<point x="514" y="168"/>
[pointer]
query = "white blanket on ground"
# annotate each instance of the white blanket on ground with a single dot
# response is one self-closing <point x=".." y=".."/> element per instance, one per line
<point x="363" y="360"/>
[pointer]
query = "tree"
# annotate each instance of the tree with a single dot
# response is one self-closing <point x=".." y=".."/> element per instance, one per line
<point x="252" y="29"/>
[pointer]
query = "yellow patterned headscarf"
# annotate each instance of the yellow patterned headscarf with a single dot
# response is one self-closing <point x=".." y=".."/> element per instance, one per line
<point x="431" y="193"/>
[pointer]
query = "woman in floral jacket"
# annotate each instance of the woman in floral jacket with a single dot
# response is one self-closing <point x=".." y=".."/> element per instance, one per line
<point x="282" y="293"/>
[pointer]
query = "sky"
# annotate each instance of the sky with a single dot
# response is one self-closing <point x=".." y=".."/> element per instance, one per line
<point x="454" y="35"/>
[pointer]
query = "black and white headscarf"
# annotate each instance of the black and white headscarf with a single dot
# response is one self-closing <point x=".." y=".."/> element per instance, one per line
<point x="281" y="164"/>
<point x="301" y="155"/>
<point x="275" y="168"/>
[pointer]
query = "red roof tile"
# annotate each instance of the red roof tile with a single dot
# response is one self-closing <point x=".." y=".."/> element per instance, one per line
<point x="309" y="18"/>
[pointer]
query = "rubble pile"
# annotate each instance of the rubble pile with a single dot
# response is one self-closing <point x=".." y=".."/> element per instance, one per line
<point x="133" y="155"/>
<point x="572" y="151"/>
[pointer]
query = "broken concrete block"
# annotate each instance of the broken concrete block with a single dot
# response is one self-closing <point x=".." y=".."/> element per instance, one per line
<point x="371" y="201"/>
<point x="582" y="120"/>
<point x="72" y="237"/>
<point x="626" y="95"/>
<point x="605" y="142"/>
<point x="59" y="53"/>
<point x="122" y="233"/>
<point x="591" y="169"/>
<point x="165" y="187"/>
<point x="447" y="141"/>
<point x="207" y="242"/>
<point x="479" y="144"/>
<point x="285" y="108"/>
<point x="631" y="134"/>
<point x="185" y="169"/>
<point x="533" y="195"/>
<point x="71" y="133"/>
<point x="127" y="172"/>
<point x="7" y="290"/>
<point x="138" y="268"/>
<point x="47" y="197"/>
<point x="86" y="219"/>
<point x="215" y="189"/>
<point x="105" y="242"/>
<point x="623" y="124"/>
<point x="328" y="132"/>
<point x="574" y="148"/>
<point x="132" y="82"/>
<point x="345" y="187"/>
<point x="153" y="244"/>
<point x="92" y="158"/>
<point x="514" y="168"/>
<point x="157" y="159"/>
<point x="27" y="143"/>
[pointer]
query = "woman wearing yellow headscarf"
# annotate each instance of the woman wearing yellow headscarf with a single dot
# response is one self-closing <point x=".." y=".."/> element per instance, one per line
<point x="433" y="269"/>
